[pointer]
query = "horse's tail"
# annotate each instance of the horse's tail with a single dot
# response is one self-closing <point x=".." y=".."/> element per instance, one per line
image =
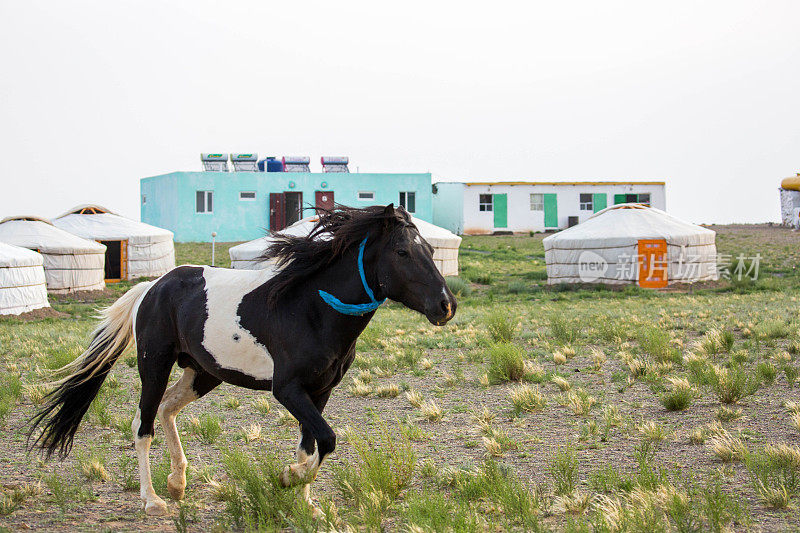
<point x="68" y="402"/>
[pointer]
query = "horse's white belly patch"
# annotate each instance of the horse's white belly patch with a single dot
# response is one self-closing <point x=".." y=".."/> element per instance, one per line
<point x="232" y="346"/>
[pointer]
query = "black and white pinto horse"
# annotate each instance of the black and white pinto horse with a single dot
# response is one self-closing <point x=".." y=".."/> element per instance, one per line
<point x="291" y="329"/>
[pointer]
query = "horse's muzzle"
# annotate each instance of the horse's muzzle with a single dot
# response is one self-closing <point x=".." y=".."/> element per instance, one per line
<point x="444" y="310"/>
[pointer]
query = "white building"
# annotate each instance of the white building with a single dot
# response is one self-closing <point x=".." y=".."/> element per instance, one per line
<point x="476" y="208"/>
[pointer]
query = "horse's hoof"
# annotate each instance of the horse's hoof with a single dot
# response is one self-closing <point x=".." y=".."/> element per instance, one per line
<point x="155" y="508"/>
<point x="176" y="489"/>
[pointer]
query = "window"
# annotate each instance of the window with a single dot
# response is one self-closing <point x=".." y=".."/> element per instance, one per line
<point x="367" y="196"/>
<point x="586" y="202"/>
<point x="537" y="202"/>
<point x="204" y="202"/>
<point x="247" y="195"/>
<point x="409" y="201"/>
<point x="144" y="199"/>
<point x="645" y="199"/>
<point x="484" y="202"/>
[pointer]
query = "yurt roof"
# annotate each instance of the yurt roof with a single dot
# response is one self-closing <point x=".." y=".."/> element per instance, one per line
<point x="14" y="256"/>
<point x="87" y="209"/>
<point x="624" y="224"/>
<point x="252" y="250"/>
<point x="38" y="233"/>
<point x="30" y="218"/>
<point x="96" y="222"/>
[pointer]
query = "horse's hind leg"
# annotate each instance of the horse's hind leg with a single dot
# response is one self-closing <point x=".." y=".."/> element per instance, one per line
<point x="192" y="385"/>
<point x="154" y="370"/>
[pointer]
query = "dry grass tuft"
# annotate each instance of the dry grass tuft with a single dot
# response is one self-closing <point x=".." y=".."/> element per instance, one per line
<point x="533" y="371"/>
<point x="262" y="405"/>
<point x="360" y="389"/>
<point x="579" y="402"/>
<point x="493" y="448"/>
<point x="576" y="502"/>
<point x="430" y="411"/>
<point x="253" y="432"/>
<point x="784" y="455"/>
<point x="561" y="383"/>
<point x="598" y="358"/>
<point x="94" y="470"/>
<point x="387" y="391"/>
<point x="414" y="398"/>
<point x="527" y="398"/>
<point x="727" y="447"/>
<point x="652" y="431"/>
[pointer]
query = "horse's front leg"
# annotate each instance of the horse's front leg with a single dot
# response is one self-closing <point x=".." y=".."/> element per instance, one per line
<point x="306" y="445"/>
<point x="314" y="429"/>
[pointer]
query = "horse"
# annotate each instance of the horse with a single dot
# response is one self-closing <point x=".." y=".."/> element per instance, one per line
<point x="288" y="329"/>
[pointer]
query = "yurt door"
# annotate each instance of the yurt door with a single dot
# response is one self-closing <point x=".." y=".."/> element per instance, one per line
<point x="653" y="263"/>
<point x="500" y="208"/>
<point x="116" y="268"/>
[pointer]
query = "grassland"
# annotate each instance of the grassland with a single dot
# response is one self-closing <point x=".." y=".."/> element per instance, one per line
<point x="536" y="408"/>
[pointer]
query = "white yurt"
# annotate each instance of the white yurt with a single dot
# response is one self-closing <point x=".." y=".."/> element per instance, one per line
<point x="71" y="263"/>
<point x="22" y="282"/>
<point x="133" y="249"/>
<point x="631" y="243"/>
<point x="445" y="246"/>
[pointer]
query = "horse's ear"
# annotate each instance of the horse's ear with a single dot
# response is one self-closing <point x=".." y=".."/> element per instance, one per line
<point x="389" y="217"/>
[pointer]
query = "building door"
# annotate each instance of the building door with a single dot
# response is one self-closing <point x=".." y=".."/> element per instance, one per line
<point x="277" y="213"/>
<point x="293" y="208"/>
<point x="324" y="200"/>
<point x="599" y="201"/>
<point x="500" y="209"/>
<point x="550" y="210"/>
<point x="653" y="263"/>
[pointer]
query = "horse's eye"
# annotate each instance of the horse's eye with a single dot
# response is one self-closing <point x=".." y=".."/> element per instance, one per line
<point x="402" y="253"/>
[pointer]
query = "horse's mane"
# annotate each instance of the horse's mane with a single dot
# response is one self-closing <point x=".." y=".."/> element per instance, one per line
<point x="336" y="231"/>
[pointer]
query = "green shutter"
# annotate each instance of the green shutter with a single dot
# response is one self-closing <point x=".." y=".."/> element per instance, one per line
<point x="619" y="199"/>
<point x="599" y="200"/>
<point x="500" y="208"/>
<point x="550" y="210"/>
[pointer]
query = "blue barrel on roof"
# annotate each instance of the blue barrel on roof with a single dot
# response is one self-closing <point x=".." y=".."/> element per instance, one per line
<point x="270" y="164"/>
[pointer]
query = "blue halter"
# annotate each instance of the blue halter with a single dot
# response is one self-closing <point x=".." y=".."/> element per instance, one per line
<point x="354" y="309"/>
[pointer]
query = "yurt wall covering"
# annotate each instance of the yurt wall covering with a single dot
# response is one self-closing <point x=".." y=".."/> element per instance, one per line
<point x="71" y="263"/>
<point x="133" y="249"/>
<point x="445" y="246"/>
<point x="22" y="283"/>
<point x="608" y="248"/>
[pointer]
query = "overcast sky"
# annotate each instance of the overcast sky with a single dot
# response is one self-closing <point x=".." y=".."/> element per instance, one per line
<point x="703" y="95"/>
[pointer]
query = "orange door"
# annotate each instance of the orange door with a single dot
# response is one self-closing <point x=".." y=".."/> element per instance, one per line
<point x="653" y="263"/>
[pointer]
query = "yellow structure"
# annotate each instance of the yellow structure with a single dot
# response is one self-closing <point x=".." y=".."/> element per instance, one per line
<point x="791" y="184"/>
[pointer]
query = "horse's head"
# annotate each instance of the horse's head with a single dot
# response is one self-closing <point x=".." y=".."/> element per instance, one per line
<point x="406" y="272"/>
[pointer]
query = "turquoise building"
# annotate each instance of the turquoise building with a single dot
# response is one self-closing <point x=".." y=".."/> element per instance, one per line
<point x="240" y="206"/>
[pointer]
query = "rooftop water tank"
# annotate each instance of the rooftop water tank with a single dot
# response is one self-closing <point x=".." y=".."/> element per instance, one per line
<point x="296" y="163"/>
<point x="335" y="163"/>
<point x="217" y="162"/>
<point x="245" y="162"/>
